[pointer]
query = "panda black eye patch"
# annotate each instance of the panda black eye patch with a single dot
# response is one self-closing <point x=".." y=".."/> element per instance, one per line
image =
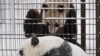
<point x="21" y="52"/>
<point x="60" y="6"/>
<point x="45" y="6"/>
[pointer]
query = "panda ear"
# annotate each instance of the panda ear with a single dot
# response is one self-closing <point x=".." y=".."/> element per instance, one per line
<point x="30" y="13"/>
<point x="34" y="40"/>
<point x="34" y="15"/>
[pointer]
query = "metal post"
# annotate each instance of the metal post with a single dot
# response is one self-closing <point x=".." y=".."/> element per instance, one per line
<point x="83" y="26"/>
<point x="97" y="27"/>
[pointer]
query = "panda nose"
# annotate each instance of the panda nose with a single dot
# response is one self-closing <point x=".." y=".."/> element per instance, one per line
<point x="56" y="25"/>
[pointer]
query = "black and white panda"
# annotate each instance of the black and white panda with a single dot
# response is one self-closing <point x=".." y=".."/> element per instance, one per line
<point x="49" y="46"/>
<point x="66" y="29"/>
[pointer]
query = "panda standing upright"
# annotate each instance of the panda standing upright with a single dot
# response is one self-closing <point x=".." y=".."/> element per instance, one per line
<point x="48" y="46"/>
<point x="61" y="29"/>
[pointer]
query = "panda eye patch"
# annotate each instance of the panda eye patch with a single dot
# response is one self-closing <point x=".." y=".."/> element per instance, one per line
<point x="45" y="6"/>
<point x="21" y="52"/>
<point x="60" y="6"/>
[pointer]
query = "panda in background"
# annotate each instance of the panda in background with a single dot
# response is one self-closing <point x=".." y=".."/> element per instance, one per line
<point x="33" y="24"/>
<point x="62" y="29"/>
<point x="49" y="46"/>
<point x="56" y="19"/>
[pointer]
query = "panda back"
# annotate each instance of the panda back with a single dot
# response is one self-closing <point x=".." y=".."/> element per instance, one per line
<point x="76" y="50"/>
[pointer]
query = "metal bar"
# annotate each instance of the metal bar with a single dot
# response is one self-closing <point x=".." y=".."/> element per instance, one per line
<point x="98" y="27"/>
<point x="12" y="15"/>
<point x="38" y="8"/>
<point x="83" y="25"/>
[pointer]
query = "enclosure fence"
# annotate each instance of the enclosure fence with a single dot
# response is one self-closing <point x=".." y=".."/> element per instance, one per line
<point x="13" y="13"/>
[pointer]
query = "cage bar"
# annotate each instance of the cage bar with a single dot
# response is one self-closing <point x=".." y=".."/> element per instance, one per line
<point x="83" y="26"/>
<point x="9" y="41"/>
<point x="97" y="27"/>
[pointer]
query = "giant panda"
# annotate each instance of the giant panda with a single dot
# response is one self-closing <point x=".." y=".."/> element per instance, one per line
<point x="66" y="29"/>
<point x="56" y="19"/>
<point x="33" y="24"/>
<point x="48" y="46"/>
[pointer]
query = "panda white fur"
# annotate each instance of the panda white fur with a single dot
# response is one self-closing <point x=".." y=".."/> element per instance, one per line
<point x="49" y="46"/>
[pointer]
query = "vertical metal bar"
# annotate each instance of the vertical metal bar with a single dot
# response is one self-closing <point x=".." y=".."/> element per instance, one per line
<point x="97" y="27"/>
<point x="83" y="26"/>
<point x="0" y="13"/>
<point x="12" y="16"/>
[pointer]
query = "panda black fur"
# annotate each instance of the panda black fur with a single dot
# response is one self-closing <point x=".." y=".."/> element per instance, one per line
<point x="49" y="46"/>
<point x="70" y="26"/>
<point x="31" y="24"/>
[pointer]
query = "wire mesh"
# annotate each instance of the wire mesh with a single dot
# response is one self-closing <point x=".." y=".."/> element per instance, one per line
<point x="13" y="13"/>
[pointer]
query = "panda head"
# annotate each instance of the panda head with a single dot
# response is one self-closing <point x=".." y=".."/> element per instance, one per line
<point x="54" y="13"/>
